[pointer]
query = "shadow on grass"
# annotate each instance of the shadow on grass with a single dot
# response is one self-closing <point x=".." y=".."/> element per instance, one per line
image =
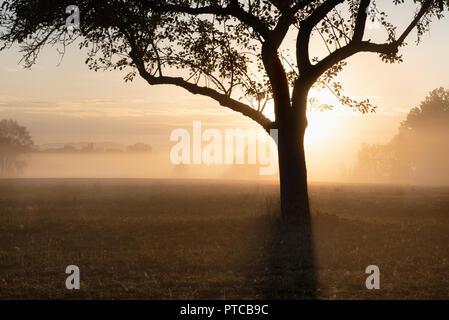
<point x="291" y="270"/>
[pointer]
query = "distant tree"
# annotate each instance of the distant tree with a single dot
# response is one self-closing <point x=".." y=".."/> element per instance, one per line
<point x="419" y="152"/>
<point x="374" y="163"/>
<point x="90" y="147"/>
<point x="139" y="147"/>
<point x="422" y="142"/>
<point x="229" y="51"/>
<point x="15" y="143"/>
<point x="432" y="114"/>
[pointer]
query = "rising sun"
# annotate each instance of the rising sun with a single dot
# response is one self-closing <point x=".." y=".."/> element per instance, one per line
<point x="323" y="124"/>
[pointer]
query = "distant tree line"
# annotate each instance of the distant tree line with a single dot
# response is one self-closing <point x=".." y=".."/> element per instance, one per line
<point x="418" y="153"/>
<point x="16" y="146"/>
<point x="93" y="148"/>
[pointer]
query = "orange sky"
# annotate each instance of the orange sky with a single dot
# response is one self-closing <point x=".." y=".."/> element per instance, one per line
<point x="69" y="103"/>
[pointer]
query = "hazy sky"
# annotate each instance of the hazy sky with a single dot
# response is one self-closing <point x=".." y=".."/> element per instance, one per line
<point x="69" y="103"/>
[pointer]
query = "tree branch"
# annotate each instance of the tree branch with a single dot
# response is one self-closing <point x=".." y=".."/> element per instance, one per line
<point x="360" y="23"/>
<point x="233" y="9"/>
<point x="415" y="21"/>
<point x="305" y="30"/>
<point x="222" y="99"/>
<point x="286" y="20"/>
<point x="357" y="45"/>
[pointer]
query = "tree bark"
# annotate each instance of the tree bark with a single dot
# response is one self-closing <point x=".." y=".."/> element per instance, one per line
<point x="292" y="159"/>
<point x="293" y="173"/>
<point x="292" y="123"/>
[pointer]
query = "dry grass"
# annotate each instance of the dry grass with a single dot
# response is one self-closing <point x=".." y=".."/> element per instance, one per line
<point x="147" y="239"/>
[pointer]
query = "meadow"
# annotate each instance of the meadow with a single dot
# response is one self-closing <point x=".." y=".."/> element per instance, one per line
<point x="180" y="239"/>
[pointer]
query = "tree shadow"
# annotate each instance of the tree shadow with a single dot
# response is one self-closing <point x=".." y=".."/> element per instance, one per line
<point x="290" y="269"/>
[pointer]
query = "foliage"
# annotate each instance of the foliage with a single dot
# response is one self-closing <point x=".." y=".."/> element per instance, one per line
<point x="418" y="153"/>
<point x="228" y="50"/>
<point x="432" y="113"/>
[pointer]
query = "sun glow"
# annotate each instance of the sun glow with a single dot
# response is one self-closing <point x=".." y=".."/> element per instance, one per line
<point x="323" y="124"/>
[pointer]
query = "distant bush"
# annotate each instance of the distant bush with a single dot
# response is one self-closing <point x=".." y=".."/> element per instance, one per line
<point x="15" y="143"/>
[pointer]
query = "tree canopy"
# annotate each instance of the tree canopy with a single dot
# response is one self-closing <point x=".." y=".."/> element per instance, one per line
<point x="431" y="114"/>
<point x="228" y="50"/>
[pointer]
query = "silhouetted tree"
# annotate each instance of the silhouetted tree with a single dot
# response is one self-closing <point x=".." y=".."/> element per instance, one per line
<point x="432" y="114"/>
<point x="422" y="142"/>
<point x="15" y="142"/>
<point x="226" y="50"/>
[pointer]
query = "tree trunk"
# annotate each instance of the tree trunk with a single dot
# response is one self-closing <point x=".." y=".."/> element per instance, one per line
<point x="293" y="170"/>
<point x="292" y="122"/>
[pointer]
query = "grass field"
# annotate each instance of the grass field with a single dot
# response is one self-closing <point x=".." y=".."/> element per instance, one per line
<point x="160" y="239"/>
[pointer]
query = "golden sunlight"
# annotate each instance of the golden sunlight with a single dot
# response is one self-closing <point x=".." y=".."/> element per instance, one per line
<point x="322" y="123"/>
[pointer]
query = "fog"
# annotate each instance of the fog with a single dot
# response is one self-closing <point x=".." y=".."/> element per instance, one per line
<point x="131" y="165"/>
<point x="422" y="159"/>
